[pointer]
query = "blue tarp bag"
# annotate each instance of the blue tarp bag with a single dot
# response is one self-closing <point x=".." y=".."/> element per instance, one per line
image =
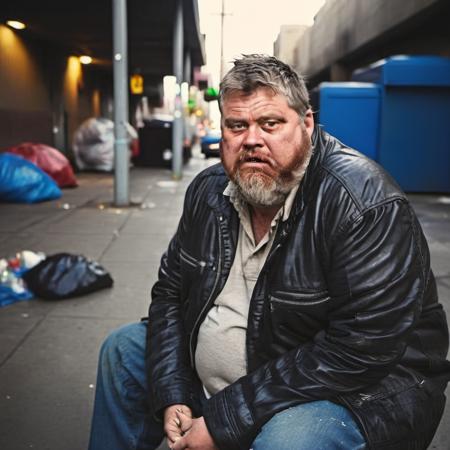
<point x="8" y="295"/>
<point x="23" y="182"/>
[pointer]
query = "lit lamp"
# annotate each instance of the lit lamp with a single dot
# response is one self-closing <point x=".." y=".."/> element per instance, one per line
<point x="16" y="24"/>
<point x="137" y="84"/>
<point x="85" y="59"/>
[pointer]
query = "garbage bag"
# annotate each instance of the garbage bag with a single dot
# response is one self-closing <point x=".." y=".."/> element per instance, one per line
<point x="64" y="275"/>
<point x="23" y="261"/>
<point x="93" y="144"/>
<point x="49" y="159"/>
<point x="23" y="182"/>
<point x="12" y="287"/>
<point x="9" y="295"/>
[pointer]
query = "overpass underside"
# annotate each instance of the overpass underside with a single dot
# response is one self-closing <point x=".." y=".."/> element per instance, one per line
<point x="348" y="34"/>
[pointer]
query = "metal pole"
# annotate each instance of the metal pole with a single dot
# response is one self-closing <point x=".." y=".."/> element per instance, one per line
<point x="121" y="148"/>
<point x="187" y="68"/>
<point x="177" y="128"/>
<point x="222" y="63"/>
<point x="187" y="134"/>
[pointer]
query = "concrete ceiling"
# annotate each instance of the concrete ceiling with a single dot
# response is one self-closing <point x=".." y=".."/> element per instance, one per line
<point x="85" y="27"/>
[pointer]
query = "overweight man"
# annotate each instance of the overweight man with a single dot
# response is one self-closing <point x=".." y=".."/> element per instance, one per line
<point x="295" y="307"/>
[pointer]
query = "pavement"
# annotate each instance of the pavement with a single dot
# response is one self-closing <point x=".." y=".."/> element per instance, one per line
<point x="49" y="349"/>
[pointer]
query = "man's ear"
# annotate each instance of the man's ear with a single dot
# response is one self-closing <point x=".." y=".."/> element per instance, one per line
<point x="308" y="120"/>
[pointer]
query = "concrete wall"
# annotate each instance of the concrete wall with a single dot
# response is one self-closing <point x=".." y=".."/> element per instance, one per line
<point x="352" y="33"/>
<point x="24" y="97"/>
<point x="45" y="93"/>
<point x="286" y="43"/>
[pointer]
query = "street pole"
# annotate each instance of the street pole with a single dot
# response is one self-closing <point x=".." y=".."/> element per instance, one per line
<point x="177" y="126"/>
<point x="222" y="19"/>
<point x="120" y="66"/>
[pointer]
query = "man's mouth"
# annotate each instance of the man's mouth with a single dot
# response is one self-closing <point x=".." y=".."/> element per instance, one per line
<point x="255" y="159"/>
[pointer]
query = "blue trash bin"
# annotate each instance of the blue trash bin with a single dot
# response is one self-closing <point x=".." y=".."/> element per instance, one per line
<point x="411" y="133"/>
<point x="350" y="112"/>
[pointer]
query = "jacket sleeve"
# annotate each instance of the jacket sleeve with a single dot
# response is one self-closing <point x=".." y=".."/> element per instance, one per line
<point x="170" y="376"/>
<point x="376" y="273"/>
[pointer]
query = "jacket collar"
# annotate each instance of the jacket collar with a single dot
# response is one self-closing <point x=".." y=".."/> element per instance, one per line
<point x="322" y="145"/>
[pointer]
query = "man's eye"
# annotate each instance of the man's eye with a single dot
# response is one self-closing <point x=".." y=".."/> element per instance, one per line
<point x="270" y="123"/>
<point x="237" y="126"/>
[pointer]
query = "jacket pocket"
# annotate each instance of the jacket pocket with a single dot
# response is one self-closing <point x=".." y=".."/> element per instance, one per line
<point x="296" y="317"/>
<point x="189" y="263"/>
<point x="402" y="411"/>
<point x="191" y="270"/>
<point x="298" y="300"/>
<point x="401" y="381"/>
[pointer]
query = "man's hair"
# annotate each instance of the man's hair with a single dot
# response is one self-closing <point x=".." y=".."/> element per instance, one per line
<point x="255" y="71"/>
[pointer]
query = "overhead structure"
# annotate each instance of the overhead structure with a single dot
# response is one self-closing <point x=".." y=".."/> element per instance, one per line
<point x="85" y="27"/>
<point x="154" y="39"/>
<point x="348" y="34"/>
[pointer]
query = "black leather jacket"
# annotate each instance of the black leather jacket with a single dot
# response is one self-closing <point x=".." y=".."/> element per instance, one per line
<point x="344" y="309"/>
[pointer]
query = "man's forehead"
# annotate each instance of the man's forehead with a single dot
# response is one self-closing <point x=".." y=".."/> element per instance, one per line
<point x="237" y="94"/>
<point x="261" y="98"/>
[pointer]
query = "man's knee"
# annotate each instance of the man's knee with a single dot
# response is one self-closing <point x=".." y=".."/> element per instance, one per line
<point x="311" y="426"/>
<point x="125" y="346"/>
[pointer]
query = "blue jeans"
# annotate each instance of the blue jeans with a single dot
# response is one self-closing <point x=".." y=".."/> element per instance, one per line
<point x="122" y="419"/>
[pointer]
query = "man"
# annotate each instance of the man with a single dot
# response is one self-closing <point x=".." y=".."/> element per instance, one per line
<point x="295" y="306"/>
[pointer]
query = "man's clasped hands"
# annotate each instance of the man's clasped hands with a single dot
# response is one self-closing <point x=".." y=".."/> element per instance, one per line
<point x="185" y="432"/>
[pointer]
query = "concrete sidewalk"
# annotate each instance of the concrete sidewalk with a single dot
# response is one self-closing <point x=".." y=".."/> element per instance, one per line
<point x="48" y="352"/>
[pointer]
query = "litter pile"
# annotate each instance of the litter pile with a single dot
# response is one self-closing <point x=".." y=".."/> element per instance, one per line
<point x="55" y="277"/>
<point x="93" y="144"/>
<point x="33" y="172"/>
<point x="50" y="160"/>
<point x="23" y="182"/>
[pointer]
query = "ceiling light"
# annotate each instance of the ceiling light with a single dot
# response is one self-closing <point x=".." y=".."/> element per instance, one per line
<point x="85" y="59"/>
<point x="16" y="24"/>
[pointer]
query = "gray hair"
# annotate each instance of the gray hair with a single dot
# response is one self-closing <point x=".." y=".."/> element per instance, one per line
<point x="254" y="71"/>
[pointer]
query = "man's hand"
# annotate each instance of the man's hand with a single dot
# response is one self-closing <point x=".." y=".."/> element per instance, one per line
<point x="172" y="422"/>
<point x="196" y="437"/>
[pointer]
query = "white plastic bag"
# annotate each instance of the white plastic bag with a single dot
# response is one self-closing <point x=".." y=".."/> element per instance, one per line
<point x="93" y="144"/>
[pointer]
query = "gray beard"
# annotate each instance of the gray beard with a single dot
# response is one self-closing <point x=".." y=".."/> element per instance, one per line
<point x="255" y="190"/>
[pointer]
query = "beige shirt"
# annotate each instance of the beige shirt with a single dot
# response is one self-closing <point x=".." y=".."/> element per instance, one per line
<point x="220" y="357"/>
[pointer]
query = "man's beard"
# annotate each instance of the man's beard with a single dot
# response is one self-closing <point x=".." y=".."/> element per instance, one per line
<point x="258" y="189"/>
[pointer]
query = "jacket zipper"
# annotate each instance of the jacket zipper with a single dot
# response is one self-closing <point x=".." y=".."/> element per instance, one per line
<point x="319" y="294"/>
<point x="191" y="261"/>
<point x="213" y="290"/>
<point x="298" y="302"/>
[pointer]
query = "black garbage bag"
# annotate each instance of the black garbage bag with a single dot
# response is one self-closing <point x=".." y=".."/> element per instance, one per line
<point x="64" y="275"/>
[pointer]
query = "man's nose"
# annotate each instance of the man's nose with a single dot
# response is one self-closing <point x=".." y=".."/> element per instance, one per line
<point x="253" y="137"/>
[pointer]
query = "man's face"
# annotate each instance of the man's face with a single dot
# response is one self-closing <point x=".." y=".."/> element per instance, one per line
<point x="265" y="145"/>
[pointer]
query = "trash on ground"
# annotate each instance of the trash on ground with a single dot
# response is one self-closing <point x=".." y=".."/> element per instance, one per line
<point x="25" y="260"/>
<point x="64" y="275"/>
<point x="93" y="144"/>
<point x="148" y="205"/>
<point x="443" y="200"/>
<point x="49" y="159"/>
<point x="12" y="286"/>
<point x="167" y="184"/>
<point x="23" y="182"/>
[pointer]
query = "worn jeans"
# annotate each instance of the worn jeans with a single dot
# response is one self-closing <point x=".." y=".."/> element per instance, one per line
<point x="122" y="419"/>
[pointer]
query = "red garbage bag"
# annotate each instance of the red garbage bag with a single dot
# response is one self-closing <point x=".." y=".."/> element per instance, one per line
<point x="49" y="159"/>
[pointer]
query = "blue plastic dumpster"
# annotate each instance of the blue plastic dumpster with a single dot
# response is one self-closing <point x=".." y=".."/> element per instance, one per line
<point x="350" y="112"/>
<point x="412" y="132"/>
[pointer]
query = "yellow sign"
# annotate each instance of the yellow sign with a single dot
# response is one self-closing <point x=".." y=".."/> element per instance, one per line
<point x="137" y="84"/>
